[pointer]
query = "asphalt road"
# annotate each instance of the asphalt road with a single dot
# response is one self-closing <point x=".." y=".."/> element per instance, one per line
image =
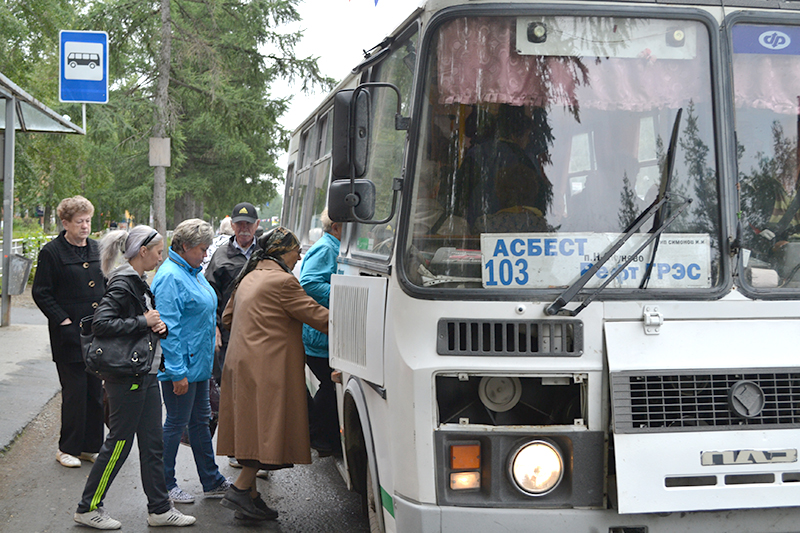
<point x="39" y="495"/>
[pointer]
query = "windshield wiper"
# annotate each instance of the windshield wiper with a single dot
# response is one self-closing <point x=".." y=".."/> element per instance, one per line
<point x="663" y="191"/>
<point x="557" y="307"/>
<point x="659" y="225"/>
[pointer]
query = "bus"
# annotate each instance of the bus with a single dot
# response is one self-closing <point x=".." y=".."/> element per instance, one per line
<point x="567" y="292"/>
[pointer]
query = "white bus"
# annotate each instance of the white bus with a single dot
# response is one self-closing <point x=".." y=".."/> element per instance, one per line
<point x="567" y="294"/>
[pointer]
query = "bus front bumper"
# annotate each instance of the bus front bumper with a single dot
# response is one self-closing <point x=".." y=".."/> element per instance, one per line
<point x="415" y="517"/>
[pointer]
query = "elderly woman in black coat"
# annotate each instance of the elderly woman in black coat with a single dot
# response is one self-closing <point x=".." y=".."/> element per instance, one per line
<point x="67" y="287"/>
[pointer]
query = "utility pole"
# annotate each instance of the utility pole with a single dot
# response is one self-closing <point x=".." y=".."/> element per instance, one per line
<point x="8" y="207"/>
<point x="160" y="140"/>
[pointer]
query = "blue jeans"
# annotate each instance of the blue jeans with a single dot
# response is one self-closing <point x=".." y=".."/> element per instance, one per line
<point x="192" y="409"/>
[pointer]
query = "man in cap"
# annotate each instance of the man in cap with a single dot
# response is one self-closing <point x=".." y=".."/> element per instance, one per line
<point x="225" y="265"/>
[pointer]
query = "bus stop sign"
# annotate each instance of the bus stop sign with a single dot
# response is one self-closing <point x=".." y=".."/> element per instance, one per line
<point x="83" y="66"/>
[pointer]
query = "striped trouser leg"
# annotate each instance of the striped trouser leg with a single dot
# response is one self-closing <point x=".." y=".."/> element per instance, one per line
<point x="125" y="401"/>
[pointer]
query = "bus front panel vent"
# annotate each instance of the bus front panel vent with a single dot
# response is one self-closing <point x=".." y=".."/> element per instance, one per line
<point x="666" y="402"/>
<point x="510" y="338"/>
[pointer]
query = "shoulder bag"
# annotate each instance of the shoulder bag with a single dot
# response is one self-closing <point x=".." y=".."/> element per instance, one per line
<point x="122" y="356"/>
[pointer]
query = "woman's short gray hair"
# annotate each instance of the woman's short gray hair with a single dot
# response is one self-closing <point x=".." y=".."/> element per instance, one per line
<point x="69" y="207"/>
<point x="326" y="221"/>
<point x="190" y="233"/>
<point x="226" y="227"/>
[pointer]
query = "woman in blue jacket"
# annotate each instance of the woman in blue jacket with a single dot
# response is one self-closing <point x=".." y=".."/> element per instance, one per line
<point x="188" y="305"/>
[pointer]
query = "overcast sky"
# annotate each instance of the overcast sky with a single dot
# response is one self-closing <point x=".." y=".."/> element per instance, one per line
<point x="337" y="31"/>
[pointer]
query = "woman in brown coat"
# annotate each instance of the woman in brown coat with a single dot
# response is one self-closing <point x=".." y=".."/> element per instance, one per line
<point x="263" y="408"/>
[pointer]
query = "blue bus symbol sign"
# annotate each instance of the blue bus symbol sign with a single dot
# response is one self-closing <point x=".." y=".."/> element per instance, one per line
<point x="774" y="40"/>
<point x="83" y="61"/>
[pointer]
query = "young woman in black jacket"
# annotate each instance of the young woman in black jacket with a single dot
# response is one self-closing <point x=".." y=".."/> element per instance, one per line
<point x="128" y="308"/>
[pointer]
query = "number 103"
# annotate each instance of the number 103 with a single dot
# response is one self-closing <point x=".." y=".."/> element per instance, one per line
<point x="508" y="272"/>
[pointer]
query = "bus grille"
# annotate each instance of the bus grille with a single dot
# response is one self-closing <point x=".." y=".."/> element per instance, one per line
<point x="545" y="338"/>
<point x="645" y="402"/>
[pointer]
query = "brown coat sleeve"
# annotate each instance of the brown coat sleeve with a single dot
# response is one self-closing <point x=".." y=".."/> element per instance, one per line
<point x="302" y="307"/>
<point x="227" y="314"/>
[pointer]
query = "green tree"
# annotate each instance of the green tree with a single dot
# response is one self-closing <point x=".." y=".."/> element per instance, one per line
<point x="628" y="211"/>
<point x="761" y="186"/>
<point x="222" y="121"/>
<point x="221" y="117"/>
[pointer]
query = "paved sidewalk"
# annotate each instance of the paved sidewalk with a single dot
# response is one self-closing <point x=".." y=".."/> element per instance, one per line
<point x="28" y="378"/>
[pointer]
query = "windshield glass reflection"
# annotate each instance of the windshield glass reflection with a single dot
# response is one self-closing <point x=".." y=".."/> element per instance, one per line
<point x="545" y="137"/>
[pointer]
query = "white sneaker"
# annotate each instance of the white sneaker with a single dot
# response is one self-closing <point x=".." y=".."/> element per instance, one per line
<point x="233" y="463"/>
<point x="70" y="461"/>
<point x="86" y="456"/>
<point x="178" y="495"/>
<point x="97" y="519"/>
<point x="173" y="517"/>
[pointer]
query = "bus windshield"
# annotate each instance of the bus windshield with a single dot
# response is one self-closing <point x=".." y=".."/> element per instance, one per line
<point x="543" y="138"/>
<point x="765" y="64"/>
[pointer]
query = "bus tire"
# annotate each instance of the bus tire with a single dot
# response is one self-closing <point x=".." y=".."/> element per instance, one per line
<point x="363" y="477"/>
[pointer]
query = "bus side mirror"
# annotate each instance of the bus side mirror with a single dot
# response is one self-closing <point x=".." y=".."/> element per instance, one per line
<point x="350" y="133"/>
<point x="351" y="198"/>
<point x="346" y="198"/>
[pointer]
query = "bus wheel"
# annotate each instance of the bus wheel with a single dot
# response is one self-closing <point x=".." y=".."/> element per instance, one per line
<point x="373" y="506"/>
<point x="73" y="64"/>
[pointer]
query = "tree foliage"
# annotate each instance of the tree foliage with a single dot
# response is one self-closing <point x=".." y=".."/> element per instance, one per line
<point x="223" y="119"/>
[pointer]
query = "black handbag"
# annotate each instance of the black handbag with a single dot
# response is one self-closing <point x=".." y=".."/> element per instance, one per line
<point x="123" y="356"/>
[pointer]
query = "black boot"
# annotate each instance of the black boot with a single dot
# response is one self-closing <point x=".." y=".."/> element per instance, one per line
<point x="240" y="501"/>
<point x="261" y="505"/>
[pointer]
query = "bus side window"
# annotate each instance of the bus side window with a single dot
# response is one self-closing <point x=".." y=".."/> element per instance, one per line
<point x="387" y="146"/>
<point x="288" y="196"/>
<point x="320" y="175"/>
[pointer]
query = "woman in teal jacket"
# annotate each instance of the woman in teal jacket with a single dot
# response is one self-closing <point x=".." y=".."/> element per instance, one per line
<point x="319" y="265"/>
<point x="188" y="305"/>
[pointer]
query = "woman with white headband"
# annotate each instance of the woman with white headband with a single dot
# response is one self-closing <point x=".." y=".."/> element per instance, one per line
<point x="128" y="308"/>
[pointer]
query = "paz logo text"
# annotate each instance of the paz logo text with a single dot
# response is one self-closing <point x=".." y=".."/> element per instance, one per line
<point x="748" y="457"/>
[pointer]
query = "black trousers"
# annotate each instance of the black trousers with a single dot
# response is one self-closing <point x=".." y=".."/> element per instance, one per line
<point x="134" y="410"/>
<point x="323" y="417"/>
<point x="81" y="409"/>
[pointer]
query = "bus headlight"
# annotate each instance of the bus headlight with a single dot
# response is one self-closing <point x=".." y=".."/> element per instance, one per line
<point x="537" y="467"/>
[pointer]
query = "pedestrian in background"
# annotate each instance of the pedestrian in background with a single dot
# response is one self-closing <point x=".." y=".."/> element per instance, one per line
<point x="263" y="407"/>
<point x="223" y="235"/>
<point x="225" y="265"/>
<point x="318" y="265"/>
<point x="68" y="286"/>
<point x="188" y="305"/>
<point x="128" y="310"/>
<point x="227" y="262"/>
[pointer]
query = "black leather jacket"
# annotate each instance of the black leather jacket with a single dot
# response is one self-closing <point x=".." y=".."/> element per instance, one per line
<point x="225" y="265"/>
<point x="121" y="310"/>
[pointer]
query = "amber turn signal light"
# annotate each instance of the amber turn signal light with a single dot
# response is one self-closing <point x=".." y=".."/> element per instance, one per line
<point x="465" y="456"/>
